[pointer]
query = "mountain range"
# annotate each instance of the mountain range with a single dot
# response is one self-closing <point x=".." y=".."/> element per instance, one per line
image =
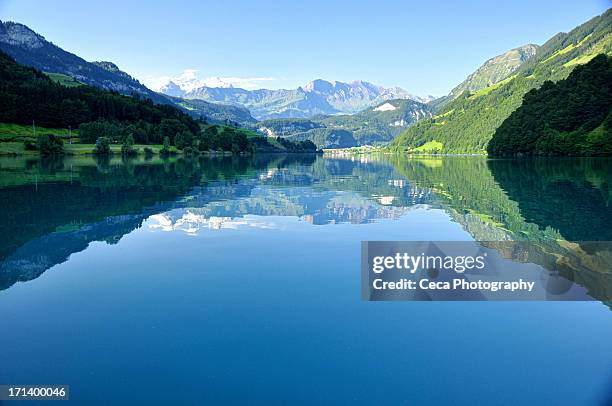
<point x="372" y="126"/>
<point x="316" y="97"/>
<point x="213" y="98"/>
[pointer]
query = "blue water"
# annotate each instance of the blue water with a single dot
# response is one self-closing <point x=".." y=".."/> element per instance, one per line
<point x="227" y="300"/>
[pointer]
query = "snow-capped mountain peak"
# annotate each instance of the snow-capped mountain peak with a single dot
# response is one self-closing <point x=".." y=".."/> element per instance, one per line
<point x="171" y="89"/>
<point x="385" y="107"/>
<point x="316" y="97"/>
<point x="184" y="83"/>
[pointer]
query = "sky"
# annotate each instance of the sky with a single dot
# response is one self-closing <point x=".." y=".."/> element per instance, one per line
<point x="425" y="47"/>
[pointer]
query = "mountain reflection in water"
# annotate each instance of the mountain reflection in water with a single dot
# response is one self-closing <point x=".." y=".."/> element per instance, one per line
<point x="54" y="208"/>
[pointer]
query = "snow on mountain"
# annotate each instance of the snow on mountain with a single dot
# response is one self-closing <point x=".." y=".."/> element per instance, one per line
<point x="184" y="83"/>
<point x="316" y="97"/>
<point x="171" y="89"/>
<point x="385" y="107"/>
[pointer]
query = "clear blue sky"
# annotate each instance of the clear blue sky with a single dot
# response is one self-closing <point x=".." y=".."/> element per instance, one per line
<point x="424" y="46"/>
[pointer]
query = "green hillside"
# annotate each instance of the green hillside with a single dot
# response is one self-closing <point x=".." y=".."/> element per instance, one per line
<point x="570" y="117"/>
<point x="466" y="124"/>
<point x="29" y="96"/>
<point x="216" y="113"/>
<point x="373" y="126"/>
<point x="64" y="80"/>
<point x="31" y="99"/>
<point x="495" y="70"/>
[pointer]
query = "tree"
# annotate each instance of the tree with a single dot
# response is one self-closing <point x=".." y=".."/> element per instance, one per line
<point x="90" y="132"/>
<point x="127" y="148"/>
<point x="179" y="141"/>
<point x="102" y="146"/>
<point x="169" y="127"/>
<point x="165" y="151"/>
<point x="50" y="144"/>
<point x="30" y="145"/>
<point x="563" y="118"/>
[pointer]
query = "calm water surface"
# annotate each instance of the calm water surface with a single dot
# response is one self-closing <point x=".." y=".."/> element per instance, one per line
<point x="237" y="281"/>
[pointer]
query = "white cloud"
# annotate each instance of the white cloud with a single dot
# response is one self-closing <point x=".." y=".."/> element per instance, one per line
<point x="189" y="79"/>
<point x="192" y="223"/>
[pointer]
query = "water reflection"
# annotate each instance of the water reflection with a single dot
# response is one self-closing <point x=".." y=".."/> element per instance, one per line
<point x="54" y="208"/>
<point x="571" y="196"/>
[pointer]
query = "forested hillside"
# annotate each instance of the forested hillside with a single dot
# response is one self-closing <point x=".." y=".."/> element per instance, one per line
<point x="32" y="49"/>
<point x="28" y="96"/>
<point x="466" y="124"/>
<point x="216" y="113"/>
<point x="570" y="117"/>
<point x="373" y="126"/>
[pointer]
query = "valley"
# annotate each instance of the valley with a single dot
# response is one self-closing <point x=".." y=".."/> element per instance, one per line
<point x="373" y="126"/>
<point x="334" y="114"/>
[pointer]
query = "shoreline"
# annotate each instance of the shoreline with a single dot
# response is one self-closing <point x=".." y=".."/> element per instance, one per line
<point x="172" y="154"/>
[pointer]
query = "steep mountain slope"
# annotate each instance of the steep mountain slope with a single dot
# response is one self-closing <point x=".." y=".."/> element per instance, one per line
<point x="28" y="95"/>
<point x="31" y="49"/>
<point x="466" y="124"/>
<point x="495" y="69"/>
<point x="570" y="117"/>
<point x="264" y="103"/>
<point x="317" y="97"/>
<point x="489" y="73"/>
<point x="375" y="125"/>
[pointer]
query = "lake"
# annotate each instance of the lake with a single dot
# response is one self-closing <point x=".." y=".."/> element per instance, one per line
<point x="237" y="280"/>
